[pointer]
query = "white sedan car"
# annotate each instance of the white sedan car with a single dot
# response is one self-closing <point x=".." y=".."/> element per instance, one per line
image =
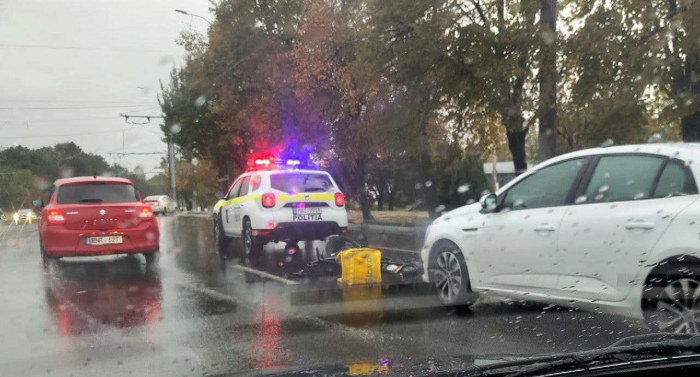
<point x="162" y="204"/>
<point x="612" y="230"/>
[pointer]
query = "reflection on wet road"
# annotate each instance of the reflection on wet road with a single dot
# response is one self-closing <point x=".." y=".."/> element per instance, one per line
<point x="201" y="313"/>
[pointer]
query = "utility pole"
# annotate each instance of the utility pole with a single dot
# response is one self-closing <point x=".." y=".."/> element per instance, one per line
<point x="171" y="149"/>
<point x="171" y="166"/>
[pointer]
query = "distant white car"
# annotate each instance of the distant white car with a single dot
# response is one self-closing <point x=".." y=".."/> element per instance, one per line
<point x="24" y="215"/>
<point x="607" y="229"/>
<point x="161" y="204"/>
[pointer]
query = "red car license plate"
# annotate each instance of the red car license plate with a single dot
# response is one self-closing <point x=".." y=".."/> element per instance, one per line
<point x="108" y="240"/>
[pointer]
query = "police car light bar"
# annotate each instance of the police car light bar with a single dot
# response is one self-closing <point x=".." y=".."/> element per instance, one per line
<point x="277" y="163"/>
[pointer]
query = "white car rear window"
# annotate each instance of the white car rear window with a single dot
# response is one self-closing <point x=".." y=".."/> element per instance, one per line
<point x="301" y="182"/>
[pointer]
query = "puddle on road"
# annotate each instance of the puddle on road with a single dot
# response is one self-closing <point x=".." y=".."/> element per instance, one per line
<point x="81" y="295"/>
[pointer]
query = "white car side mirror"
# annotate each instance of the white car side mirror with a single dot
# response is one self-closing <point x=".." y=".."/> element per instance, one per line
<point x="488" y="202"/>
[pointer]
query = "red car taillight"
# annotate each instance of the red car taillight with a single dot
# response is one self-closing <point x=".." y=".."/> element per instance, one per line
<point x="55" y="216"/>
<point x="268" y="200"/>
<point x="339" y="199"/>
<point x="146" y="212"/>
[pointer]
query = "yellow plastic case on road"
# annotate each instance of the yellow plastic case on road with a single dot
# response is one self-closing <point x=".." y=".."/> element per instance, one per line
<point x="360" y="266"/>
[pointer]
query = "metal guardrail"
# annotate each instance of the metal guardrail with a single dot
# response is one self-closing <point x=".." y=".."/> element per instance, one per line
<point x="391" y="237"/>
<point x="403" y="239"/>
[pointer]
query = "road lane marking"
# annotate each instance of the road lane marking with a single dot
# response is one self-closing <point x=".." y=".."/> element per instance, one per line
<point x="264" y="274"/>
<point x="4" y="234"/>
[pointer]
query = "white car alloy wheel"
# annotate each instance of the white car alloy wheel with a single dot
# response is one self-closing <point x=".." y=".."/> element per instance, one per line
<point x="678" y="307"/>
<point x="448" y="276"/>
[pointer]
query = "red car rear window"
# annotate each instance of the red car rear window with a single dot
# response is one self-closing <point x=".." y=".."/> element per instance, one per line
<point x="96" y="193"/>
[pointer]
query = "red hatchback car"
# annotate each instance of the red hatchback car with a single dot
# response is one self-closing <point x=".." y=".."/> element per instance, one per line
<point x="89" y="216"/>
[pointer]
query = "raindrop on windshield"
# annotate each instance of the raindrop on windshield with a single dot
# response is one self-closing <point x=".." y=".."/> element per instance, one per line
<point x="656" y="137"/>
<point x="607" y="143"/>
<point x="439" y="208"/>
<point x="581" y="199"/>
<point x="175" y="128"/>
<point x="67" y="172"/>
<point x="200" y="101"/>
<point x="41" y="183"/>
<point x="462" y="189"/>
<point x="428" y="183"/>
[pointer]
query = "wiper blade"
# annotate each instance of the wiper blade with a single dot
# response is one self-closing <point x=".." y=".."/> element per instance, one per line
<point x="589" y="359"/>
<point x="649" y="338"/>
<point x="91" y="200"/>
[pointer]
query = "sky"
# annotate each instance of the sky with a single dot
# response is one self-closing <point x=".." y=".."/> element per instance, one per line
<point x="69" y="68"/>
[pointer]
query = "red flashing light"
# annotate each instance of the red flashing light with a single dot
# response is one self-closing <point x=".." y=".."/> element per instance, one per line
<point x="268" y="200"/>
<point x="339" y="199"/>
<point x="55" y="216"/>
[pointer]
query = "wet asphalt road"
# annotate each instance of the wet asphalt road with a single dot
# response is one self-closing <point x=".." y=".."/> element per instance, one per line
<point x="197" y="314"/>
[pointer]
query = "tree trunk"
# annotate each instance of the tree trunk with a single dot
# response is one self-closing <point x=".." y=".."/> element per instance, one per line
<point x="365" y="205"/>
<point x="380" y="199"/>
<point x="390" y="199"/>
<point x="547" y="80"/>
<point x="361" y="190"/>
<point x="516" y="145"/>
<point x="690" y="127"/>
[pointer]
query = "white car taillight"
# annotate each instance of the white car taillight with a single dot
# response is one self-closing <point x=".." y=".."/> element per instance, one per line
<point x="268" y="200"/>
<point x="339" y="199"/>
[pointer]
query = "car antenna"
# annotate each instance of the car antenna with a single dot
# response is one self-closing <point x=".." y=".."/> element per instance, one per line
<point x="94" y="175"/>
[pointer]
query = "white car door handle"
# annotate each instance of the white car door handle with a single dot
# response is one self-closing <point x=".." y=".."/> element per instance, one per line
<point x="639" y="225"/>
<point x="544" y="228"/>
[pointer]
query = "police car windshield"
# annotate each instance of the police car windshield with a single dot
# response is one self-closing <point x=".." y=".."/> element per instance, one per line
<point x="300" y="182"/>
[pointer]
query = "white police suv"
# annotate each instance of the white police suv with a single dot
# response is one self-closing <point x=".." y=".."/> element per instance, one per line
<point x="280" y="202"/>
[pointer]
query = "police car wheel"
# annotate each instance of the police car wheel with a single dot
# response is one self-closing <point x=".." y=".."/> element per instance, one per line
<point x="220" y="240"/>
<point x="252" y="245"/>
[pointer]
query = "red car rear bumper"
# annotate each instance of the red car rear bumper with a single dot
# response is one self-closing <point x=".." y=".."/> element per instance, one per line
<point x="59" y="242"/>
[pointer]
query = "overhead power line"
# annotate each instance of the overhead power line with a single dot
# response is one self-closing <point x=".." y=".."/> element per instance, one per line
<point x="105" y="102"/>
<point x="171" y="148"/>
<point x="30" y="121"/>
<point x="85" y="48"/>
<point x="60" y="135"/>
<point x="134" y="153"/>
<point x="80" y="107"/>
